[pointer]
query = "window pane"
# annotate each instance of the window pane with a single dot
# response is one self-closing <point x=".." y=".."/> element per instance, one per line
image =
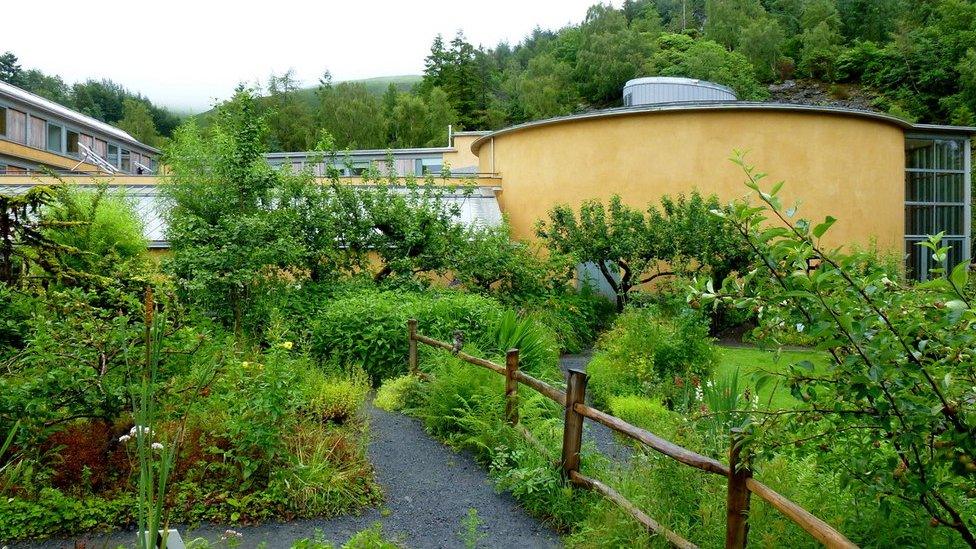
<point x="72" y="143"/>
<point x="54" y="138"/>
<point x="113" y="155"/>
<point x="3" y="121"/>
<point x="126" y="161"/>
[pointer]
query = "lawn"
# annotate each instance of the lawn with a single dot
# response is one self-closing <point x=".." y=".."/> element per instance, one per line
<point x="750" y="360"/>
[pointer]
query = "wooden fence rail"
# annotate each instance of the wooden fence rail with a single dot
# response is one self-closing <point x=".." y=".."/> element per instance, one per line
<point x="740" y="482"/>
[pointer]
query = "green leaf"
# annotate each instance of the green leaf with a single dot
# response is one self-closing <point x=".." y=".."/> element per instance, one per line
<point x="820" y="229"/>
<point x="960" y="275"/>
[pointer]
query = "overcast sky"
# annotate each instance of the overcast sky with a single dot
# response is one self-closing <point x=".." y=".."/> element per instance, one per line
<point x="184" y="54"/>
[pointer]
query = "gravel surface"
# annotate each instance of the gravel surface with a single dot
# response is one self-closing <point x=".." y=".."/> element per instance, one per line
<point x="429" y="489"/>
<point x="601" y="436"/>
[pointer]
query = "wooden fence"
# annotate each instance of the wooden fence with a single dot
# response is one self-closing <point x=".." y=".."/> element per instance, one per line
<point x="740" y="482"/>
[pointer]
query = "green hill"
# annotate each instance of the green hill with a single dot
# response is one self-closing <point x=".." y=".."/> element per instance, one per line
<point x="377" y="85"/>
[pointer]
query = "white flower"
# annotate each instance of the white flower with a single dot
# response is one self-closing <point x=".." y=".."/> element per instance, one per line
<point x="124" y="438"/>
<point x="231" y="534"/>
<point x="699" y="395"/>
<point x="800" y="326"/>
<point x="157" y="446"/>
<point x="137" y="430"/>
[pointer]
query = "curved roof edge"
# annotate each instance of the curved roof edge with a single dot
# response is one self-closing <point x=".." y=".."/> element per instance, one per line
<point x="58" y="109"/>
<point x="728" y="106"/>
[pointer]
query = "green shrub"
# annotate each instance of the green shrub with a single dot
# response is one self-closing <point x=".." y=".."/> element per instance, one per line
<point x="103" y="227"/>
<point x="645" y="351"/>
<point x="333" y="397"/>
<point x="645" y="413"/>
<point x="576" y="318"/>
<point x="370" y="327"/>
<point x="538" y="354"/>
<point x="396" y="393"/>
<point x="15" y="311"/>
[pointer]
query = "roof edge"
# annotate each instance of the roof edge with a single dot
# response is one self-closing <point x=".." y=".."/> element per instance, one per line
<point x="727" y="106"/>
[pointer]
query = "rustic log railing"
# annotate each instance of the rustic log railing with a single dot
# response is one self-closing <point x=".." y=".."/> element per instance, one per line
<point x="740" y="482"/>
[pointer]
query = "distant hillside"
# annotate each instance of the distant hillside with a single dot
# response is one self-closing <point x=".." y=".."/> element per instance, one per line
<point x="377" y="85"/>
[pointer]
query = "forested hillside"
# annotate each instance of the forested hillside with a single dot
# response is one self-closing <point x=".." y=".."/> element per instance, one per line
<point x="912" y="58"/>
<point x="104" y="100"/>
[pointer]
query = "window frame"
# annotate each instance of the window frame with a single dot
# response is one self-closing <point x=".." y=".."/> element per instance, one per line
<point x="61" y="134"/>
<point x="966" y="172"/>
<point x="125" y="156"/>
<point x="67" y="151"/>
<point x="3" y="121"/>
<point x="109" y="157"/>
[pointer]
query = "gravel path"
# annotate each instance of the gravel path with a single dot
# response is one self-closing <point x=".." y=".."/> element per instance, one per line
<point x="429" y="489"/>
<point x="601" y="436"/>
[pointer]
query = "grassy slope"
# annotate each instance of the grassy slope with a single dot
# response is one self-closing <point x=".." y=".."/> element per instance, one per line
<point x="752" y="360"/>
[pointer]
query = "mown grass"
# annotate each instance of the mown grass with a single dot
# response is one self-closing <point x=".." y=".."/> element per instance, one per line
<point x="750" y="361"/>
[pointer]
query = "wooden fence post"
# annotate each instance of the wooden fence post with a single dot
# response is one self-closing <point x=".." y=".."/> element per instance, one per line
<point x="511" y="386"/>
<point x="573" y="423"/>
<point x="412" y="334"/>
<point x="737" y="519"/>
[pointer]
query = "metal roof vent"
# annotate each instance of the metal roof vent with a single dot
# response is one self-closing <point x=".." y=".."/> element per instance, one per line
<point x="662" y="89"/>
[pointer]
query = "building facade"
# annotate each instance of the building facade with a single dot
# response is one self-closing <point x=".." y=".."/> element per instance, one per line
<point x="37" y="134"/>
<point x="888" y="182"/>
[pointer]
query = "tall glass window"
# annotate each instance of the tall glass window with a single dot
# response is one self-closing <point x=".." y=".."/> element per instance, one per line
<point x="937" y="193"/>
<point x="3" y="121"/>
<point x="54" y="138"/>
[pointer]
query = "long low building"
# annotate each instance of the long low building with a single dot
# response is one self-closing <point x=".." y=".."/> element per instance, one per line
<point x="888" y="182"/>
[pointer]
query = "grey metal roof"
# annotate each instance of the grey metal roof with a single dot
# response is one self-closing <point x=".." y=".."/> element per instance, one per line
<point x="57" y="109"/>
<point x="678" y="80"/>
<point x="728" y="106"/>
<point x="479" y="209"/>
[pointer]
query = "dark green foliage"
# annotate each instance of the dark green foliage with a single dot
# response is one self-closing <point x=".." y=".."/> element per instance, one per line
<point x="646" y="350"/>
<point x="369" y="328"/>
<point x="576" y="318"/>
<point x="632" y="248"/>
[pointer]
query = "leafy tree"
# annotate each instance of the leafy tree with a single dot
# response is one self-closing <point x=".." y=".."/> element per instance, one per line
<point x="288" y="117"/>
<point x="340" y="104"/>
<point x="490" y="261"/>
<point x="546" y="88"/>
<point x="138" y="122"/>
<point x="726" y="19"/>
<point x="420" y="121"/>
<point x="612" y="236"/>
<point x="762" y="44"/>
<point x="10" y="70"/>
<point x="681" y="55"/>
<point x="894" y="412"/>
<point x="610" y="53"/>
<point x="228" y="229"/>
<point x="100" y="232"/>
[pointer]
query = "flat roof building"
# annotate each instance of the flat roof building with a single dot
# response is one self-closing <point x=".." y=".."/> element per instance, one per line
<point x="887" y="181"/>
<point x="38" y="133"/>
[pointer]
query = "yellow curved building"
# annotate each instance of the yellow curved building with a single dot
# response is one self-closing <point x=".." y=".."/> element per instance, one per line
<point x="884" y="180"/>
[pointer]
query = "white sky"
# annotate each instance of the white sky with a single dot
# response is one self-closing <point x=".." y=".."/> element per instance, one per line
<point x="184" y="54"/>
